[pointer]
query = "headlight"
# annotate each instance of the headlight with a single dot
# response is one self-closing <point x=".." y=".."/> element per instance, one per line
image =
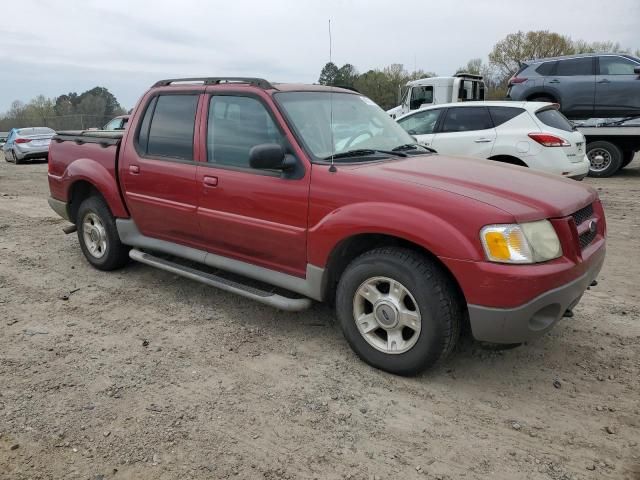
<point x="521" y="243"/>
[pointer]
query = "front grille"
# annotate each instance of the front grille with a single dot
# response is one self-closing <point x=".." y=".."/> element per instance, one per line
<point x="579" y="218"/>
<point x="586" y="238"/>
<point x="583" y="214"/>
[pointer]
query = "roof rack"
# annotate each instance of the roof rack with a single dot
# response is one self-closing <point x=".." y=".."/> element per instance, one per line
<point x="257" y="82"/>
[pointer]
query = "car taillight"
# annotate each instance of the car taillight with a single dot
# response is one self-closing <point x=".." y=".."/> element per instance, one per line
<point x="548" y="140"/>
<point x="23" y="140"/>
<point x="514" y="80"/>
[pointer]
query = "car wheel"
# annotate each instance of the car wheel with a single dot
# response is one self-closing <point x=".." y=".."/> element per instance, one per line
<point x="398" y="310"/>
<point x="98" y="235"/>
<point x="16" y="160"/>
<point x="627" y="158"/>
<point x="605" y="158"/>
<point x="544" y="99"/>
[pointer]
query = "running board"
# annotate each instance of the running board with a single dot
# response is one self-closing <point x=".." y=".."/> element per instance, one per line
<point x="268" y="298"/>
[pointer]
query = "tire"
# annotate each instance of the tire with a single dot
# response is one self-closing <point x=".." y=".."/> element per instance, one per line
<point x="605" y="158"/>
<point x="422" y="288"/>
<point x="543" y="99"/>
<point x="627" y="158"/>
<point x="16" y="160"/>
<point x="100" y="243"/>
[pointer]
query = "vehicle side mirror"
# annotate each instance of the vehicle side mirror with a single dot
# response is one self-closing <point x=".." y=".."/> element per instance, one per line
<point x="267" y="156"/>
<point x="636" y="70"/>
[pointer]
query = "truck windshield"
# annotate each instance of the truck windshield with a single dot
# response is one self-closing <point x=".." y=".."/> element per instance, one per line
<point x="333" y="123"/>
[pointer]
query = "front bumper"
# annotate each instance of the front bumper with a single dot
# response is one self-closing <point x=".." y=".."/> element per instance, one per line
<point x="534" y="318"/>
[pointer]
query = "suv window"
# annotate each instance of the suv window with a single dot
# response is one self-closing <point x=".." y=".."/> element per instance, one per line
<point x="170" y="132"/>
<point x="421" y="123"/>
<point x="546" y="68"/>
<point x="553" y="118"/>
<point x="235" y="126"/>
<point x="420" y="96"/>
<point x="466" y="119"/>
<point x="574" y="67"/>
<point x="610" y="65"/>
<point x="501" y="115"/>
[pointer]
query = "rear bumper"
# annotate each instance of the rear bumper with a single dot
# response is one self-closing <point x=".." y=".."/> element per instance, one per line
<point x="534" y="318"/>
<point x="60" y="207"/>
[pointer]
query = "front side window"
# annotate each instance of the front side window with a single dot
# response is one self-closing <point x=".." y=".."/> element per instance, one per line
<point x="466" y="119"/>
<point x="421" y="96"/>
<point x="236" y="125"/>
<point x="169" y="132"/>
<point x="333" y="123"/>
<point x="610" y="65"/>
<point x="574" y="67"/>
<point x="421" y="123"/>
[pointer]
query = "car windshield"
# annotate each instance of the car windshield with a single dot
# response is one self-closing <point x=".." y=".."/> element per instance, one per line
<point x="333" y="123"/>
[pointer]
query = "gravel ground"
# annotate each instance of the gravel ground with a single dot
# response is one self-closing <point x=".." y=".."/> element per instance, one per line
<point x="140" y="374"/>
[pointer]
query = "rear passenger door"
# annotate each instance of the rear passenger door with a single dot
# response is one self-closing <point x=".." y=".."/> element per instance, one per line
<point x="257" y="216"/>
<point x="465" y="131"/>
<point x="617" y="86"/>
<point x="158" y="169"/>
<point x="574" y="83"/>
<point x="421" y="125"/>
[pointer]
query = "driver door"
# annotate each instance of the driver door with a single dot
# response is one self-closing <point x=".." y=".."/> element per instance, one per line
<point x="421" y="125"/>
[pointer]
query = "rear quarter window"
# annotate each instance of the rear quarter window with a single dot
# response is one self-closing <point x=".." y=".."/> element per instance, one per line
<point x="501" y="115"/>
<point x="546" y="68"/>
<point x="553" y="118"/>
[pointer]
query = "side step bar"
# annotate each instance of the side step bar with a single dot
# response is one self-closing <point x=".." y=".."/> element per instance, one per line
<point x="268" y="298"/>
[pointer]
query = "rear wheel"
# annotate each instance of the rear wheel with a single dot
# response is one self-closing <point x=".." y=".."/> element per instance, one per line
<point x="605" y="158"/>
<point x="398" y="310"/>
<point x="544" y="99"/>
<point x="98" y="235"/>
<point x="627" y="157"/>
<point x="16" y="160"/>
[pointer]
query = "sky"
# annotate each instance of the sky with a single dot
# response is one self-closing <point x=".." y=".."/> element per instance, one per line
<point x="126" y="45"/>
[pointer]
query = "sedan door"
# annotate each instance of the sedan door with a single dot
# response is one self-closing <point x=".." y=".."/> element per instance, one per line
<point x="465" y="131"/>
<point x="421" y="125"/>
<point x="617" y="86"/>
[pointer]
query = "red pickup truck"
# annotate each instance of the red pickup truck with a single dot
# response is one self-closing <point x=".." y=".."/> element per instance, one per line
<point x="289" y="193"/>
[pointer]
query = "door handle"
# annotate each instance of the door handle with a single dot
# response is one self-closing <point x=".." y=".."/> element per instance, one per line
<point x="483" y="140"/>
<point x="210" y="181"/>
<point x="555" y="80"/>
<point x="604" y="80"/>
<point x="134" y="169"/>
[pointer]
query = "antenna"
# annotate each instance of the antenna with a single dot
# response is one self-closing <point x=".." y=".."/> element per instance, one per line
<point x="332" y="168"/>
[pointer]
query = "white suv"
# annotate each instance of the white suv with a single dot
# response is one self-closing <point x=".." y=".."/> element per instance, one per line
<point x="530" y="134"/>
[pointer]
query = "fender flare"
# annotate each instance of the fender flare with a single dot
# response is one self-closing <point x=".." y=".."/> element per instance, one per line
<point x="102" y="179"/>
<point x="415" y="225"/>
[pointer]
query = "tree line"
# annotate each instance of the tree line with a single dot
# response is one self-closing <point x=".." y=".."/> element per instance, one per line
<point x="90" y="109"/>
<point x="504" y="60"/>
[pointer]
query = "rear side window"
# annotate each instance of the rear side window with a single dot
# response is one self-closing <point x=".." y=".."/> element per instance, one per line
<point x="170" y="127"/>
<point x="553" y="118"/>
<point x="466" y="119"/>
<point x="501" y="115"/>
<point x="546" y="68"/>
<point x="574" y="67"/>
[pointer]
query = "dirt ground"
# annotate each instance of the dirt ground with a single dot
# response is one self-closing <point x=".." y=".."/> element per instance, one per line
<point x="140" y="374"/>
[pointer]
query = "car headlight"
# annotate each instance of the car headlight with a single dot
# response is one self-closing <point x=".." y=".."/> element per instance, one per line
<point x="531" y="242"/>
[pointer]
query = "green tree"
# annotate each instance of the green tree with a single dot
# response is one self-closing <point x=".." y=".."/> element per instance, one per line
<point x="328" y="74"/>
<point x="346" y="76"/>
<point x="473" y="66"/>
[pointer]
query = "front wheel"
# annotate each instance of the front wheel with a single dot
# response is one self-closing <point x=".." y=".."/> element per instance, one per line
<point x="605" y="158"/>
<point x="398" y="310"/>
<point x="98" y="235"/>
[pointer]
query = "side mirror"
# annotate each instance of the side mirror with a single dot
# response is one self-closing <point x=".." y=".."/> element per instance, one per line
<point x="267" y="156"/>
<point x="636" y="70"/>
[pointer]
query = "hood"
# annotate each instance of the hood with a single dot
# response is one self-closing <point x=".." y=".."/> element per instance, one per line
<point x="525" y="194"/>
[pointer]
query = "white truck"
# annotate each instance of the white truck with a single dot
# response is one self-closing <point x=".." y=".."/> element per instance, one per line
<point x="424" y="92"/>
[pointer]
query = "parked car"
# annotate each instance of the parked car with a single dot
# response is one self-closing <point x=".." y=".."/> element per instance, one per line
<point x="117" y="123"/>
<point x="585" y="86"/>
<point x="529" y="134"/>
<point x="27" y="144"/>
<point x="246" y="177"/>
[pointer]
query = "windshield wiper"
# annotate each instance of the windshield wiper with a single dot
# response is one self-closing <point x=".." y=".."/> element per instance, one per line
<point x="413" y="146"/>
<point x="363" y="152"/>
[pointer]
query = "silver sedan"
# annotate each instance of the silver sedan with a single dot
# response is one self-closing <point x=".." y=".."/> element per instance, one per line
<point x="27" y="143"/>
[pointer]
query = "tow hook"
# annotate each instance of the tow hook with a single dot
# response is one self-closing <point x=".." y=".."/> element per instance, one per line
<point x="70" y="229"/>
<point x="568" y="313"/>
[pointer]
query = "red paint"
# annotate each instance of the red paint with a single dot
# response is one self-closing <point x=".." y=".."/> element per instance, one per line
<point x="437" y="202"/>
